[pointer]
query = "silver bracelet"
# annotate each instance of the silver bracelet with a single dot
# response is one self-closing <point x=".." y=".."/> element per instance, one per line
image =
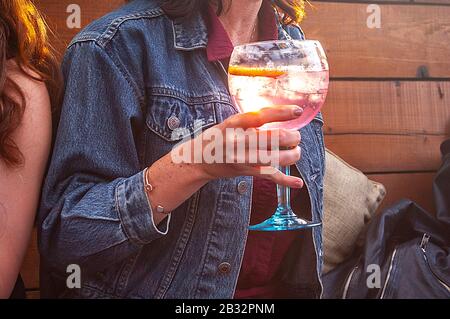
<point x="149" y="187"/>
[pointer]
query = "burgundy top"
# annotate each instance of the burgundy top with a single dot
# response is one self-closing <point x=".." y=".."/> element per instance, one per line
<point x="220" y="46"/>
<point x="264" y="251"/>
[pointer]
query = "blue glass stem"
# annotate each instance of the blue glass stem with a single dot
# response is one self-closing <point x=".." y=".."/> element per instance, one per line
<point x="284" y="210"/>
<point x="284" y="218"/>
<point x="284" y="194"/>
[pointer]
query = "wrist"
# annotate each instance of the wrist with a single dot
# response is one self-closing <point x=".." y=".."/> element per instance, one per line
<point x="182" y="161"/>
<point x="198" y="171"/>
<point x="195" y="172"/>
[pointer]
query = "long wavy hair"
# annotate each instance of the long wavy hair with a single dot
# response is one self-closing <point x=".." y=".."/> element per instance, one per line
<point x="290" y="11"/>
<point x="23" y="39"/>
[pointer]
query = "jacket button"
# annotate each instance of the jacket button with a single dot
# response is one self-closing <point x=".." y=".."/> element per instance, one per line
<point x="173" y="122"/>
<point x="242" y="187"/>
<point x="224" y="268"/>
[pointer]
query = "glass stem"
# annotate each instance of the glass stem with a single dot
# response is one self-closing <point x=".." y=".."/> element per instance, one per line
<point x="284" y="194"/>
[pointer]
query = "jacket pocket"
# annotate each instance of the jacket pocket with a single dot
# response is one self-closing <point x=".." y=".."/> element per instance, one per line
<point x="176" y="118"/>
<point x="427" y="254"/>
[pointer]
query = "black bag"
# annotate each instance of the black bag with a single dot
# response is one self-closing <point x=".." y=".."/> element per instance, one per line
<point x="405" y="253"/>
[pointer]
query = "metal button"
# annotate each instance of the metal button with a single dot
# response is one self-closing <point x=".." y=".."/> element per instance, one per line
<point x="242" y="187"/>
<point x="173" y="122"/>
<point x="224" y="268"/>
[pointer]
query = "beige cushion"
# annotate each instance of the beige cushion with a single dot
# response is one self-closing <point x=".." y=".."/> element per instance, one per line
<point x="350" y="200"/>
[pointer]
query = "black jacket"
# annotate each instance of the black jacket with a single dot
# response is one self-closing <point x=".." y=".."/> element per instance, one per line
<point x="406" y="253"/>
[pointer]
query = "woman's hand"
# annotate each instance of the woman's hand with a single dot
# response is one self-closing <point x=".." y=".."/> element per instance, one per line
<point x="175" y="181"/>
<point x="244" y="152"/>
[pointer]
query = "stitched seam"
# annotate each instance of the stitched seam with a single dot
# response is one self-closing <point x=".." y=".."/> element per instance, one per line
<point x="190" y="99"/>
<point x="181" y="245"/>
<point x="133" y="85"/>
<point x="103" y="38"/>
<point x="209" y="237"/>
<point x="114" y="26"/>
<point x="124" y="225"/>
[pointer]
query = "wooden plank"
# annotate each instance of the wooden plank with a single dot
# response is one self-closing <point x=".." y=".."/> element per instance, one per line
<point x="33" y="294"/>
<point x="392" y="107"/>
<point x="414" y="186"/>
<point x="30" y="266"/>
<point x="410" y="36"/>
<point x="56" y="14"/>
<point x="387" y="153"/>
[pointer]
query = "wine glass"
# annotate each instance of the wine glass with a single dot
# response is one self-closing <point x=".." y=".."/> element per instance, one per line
<point x="282" y="72"/>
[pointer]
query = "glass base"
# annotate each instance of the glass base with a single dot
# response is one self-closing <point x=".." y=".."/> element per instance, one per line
<point x="283" y="219"/>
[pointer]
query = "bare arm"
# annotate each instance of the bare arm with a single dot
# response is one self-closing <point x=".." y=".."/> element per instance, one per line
<point x="20" y="186"/>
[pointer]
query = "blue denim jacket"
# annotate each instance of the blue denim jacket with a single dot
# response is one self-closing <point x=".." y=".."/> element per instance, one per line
<point x="131" y="78"/>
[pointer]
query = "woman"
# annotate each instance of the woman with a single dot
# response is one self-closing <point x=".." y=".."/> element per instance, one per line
<point x="28" y="72"/>
<point x="138" y="223"/>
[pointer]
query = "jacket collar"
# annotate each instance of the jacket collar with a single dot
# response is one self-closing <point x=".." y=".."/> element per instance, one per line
<point x="190" y="34"/>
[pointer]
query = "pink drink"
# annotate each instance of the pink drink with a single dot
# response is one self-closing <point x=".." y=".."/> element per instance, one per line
<point x="281" y="72"/>
<point x="295" y="87"/>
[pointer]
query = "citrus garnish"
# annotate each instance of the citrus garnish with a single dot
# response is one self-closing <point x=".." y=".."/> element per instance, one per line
<point x="247" y="71"/>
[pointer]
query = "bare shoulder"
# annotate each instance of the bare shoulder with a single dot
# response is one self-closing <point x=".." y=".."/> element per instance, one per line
<point x="35" y="128"/>
<point x="20" y="186"/>
<point x="28" y="81"/>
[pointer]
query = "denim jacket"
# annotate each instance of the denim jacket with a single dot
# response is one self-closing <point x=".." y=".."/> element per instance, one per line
<point x="131" y="78"/>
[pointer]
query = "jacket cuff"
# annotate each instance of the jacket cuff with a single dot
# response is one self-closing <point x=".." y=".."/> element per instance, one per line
<point x="135" y="211"/>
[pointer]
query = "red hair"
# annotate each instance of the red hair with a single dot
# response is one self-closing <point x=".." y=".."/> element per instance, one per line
<point x="291" y="11"/>
<point x="24" y="39"/>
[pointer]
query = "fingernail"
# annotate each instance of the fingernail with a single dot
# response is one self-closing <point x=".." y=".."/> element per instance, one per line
<point x="299" y="183"/>
<point x="298" y="111"/>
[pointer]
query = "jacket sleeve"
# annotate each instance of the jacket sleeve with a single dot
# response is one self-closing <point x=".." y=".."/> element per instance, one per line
<point x="94" y="210"/>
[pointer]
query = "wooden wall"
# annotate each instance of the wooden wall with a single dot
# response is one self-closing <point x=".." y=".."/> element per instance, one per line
<point x="389" y="103"/>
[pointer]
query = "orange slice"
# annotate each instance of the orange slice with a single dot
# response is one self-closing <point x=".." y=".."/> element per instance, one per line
<point x="246" y="71"/>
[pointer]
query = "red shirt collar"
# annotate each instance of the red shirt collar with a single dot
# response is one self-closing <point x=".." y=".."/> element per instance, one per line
<point x="219" y="44"/>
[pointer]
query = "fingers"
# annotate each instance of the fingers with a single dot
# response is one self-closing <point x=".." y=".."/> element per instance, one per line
<point x="289" y="156"/>
<point x="277" y="113"/>
<point x="272" y="139"/>
<point x="266" y="157"/>
<point x="285" y="180"/>
<point x="275" y="176"/>
<point x="286" y="138"/>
